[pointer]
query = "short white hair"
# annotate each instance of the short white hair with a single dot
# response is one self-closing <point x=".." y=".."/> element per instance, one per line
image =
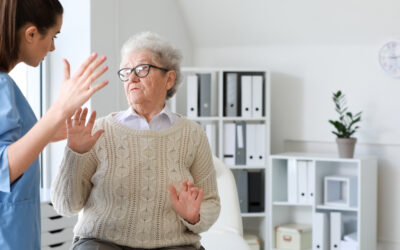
<point x="163" y="53"/>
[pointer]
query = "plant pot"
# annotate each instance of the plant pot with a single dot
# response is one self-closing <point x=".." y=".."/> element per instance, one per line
<point x="346" y="147"/>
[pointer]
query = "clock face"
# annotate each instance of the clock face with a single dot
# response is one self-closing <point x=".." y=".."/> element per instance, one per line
<point x="389" y="58"/>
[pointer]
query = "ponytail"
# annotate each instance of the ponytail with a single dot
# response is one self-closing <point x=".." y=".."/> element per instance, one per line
<point x="14" y="14"/>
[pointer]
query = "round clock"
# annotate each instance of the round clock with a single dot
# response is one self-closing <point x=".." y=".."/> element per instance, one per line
<point x="389" y="58"/>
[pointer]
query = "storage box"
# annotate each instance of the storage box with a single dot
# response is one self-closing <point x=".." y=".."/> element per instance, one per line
<point x="294" y="237"/>
<point x="340" y="191"/>
<point x="253" y="241"/>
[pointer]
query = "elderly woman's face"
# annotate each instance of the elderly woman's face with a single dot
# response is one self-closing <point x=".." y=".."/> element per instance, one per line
<point x="151" y="88"/>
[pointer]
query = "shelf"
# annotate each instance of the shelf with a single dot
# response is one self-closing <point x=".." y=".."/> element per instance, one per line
<point x="246" y="167"/>
<point x="236" y="118"/>
<point x="204" y="118"/>
<point x="254" y="214"/>
<point x="285" y="203"/>
<point x="336" y="208"/>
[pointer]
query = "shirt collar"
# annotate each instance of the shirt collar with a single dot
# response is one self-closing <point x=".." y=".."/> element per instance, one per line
<point x="130" y="114"/>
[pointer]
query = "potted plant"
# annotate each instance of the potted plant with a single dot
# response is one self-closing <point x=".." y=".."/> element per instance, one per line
<point x="345" y="126"/>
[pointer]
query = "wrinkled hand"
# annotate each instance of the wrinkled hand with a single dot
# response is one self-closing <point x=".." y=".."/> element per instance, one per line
<point x="77" y="89"/>
<point x="61" y="134"/>
<point x="187" y="203"/>
<point x="80" y="138"/>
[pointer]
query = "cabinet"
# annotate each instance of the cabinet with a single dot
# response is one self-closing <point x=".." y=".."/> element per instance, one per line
<point x="57" y="230"/>
<point x="233" y="106"/>
<point x="336" y="196"/>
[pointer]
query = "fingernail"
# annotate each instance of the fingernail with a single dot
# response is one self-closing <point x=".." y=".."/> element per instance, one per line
<point x="103" y="58"/>
<point x="93" y="54"/>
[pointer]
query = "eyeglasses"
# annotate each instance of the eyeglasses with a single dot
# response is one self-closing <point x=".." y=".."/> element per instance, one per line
<point x="142" y="70"/>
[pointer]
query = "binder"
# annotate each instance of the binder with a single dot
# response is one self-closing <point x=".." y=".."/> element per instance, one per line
<point x="204" y="101"/>
<point x="257" y="94"/>
<point x="229" y="143"/>
<point x="192" y="95"/>
<point x="336" y="230"/>
<point x="320" y="231"/>
<point x="251" y="147"/>
<point x="246" y="91"/>
<point x="259" y="135"/>
<point x="240" y="143"/>
<point x="310" y="182"/>
<point x="214" y="94"/>
<point x="292" y="181"/>
<point x="256" y="192"/>
<point x="302" y="180"/>
<point x="241" y="178"/>
<point x="211" y="132"/>
<point x="231" y="94"/>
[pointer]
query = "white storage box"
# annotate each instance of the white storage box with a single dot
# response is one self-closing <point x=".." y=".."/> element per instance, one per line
<point x="253" y="241"/>
<point x="294" y="237"/>
<point x="340" y="191"/>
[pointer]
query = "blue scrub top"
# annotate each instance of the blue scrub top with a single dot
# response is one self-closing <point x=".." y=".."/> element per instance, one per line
<point x="20" y="201"/>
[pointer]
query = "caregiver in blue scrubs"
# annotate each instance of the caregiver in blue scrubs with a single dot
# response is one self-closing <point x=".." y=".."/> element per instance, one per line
<point x="27" y="32"/>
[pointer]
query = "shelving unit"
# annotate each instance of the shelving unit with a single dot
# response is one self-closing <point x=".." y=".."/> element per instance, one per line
<point x="360" y="218"/>
<point x="253" y="222"/>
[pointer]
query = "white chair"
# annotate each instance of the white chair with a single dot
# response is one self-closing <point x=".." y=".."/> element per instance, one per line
<point x="227" y="231"/>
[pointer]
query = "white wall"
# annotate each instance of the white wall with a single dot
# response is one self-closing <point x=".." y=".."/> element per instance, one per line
<point x="302" y="80"/>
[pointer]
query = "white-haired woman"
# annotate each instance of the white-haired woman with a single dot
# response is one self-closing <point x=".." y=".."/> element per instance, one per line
<point x="149" y="181"/>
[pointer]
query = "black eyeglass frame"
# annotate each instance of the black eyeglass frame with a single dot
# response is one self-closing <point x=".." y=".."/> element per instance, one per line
<point x="134" y="70"/>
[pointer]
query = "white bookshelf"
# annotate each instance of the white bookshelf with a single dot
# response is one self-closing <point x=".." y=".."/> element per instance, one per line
<point x="360" y="217"/>
<point x="253" y="222"/>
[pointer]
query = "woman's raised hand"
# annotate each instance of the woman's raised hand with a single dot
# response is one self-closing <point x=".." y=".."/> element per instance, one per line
<point x="77" y="89"/>
<point x="187" y="203"/>
<point x="79" y="134"/>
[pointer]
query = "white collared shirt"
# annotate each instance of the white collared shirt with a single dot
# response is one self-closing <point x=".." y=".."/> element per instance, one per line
<point x="163" y="120"/>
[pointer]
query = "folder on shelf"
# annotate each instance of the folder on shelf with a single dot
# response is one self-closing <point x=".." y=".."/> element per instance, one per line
<point x="256" y="192"/>
<point x="192" y="95"/>
<point x="242" y="187"/>
<point x="292" y="181"/>
<point x="214" y="94"/>
<point x="211" y="132"/>
<point x="251" y="145"/>
<point x="321" y="231"/>
<point x="229" y="143"/>
<point x="231" y="90"/>
<point x="246" y="91"/>
<point x="260" y="139"/>
<point x="240" y="143"/>
<point x="310" y="182"/>
<point x="257" y="94"/>
<point x="204" y="101"/>
<point x="336" y="230"/>
<point x="302" y="181"/>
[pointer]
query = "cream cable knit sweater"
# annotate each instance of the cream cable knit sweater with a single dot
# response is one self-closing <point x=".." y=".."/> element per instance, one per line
<point x="121" y="185"/>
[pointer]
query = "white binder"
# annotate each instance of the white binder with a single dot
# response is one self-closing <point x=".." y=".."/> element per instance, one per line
<point x="251" y="144"/>
<point x="246" y="87"/>
<point x="302" y="181"/>
<point x="310" y="182"/>
<point x="336" y="230"/>
<point x="320" y="231"/>
<point x="292" y="181"/>
<point x="192" y="95"/>
<point x="211" y="132"/>
<point x="260" y="139"/>
<point x="229" y="143"/>
<point x="257" y="96"/>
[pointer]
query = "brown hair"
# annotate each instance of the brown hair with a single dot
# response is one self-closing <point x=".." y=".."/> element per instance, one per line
<point x="14" y="14"/>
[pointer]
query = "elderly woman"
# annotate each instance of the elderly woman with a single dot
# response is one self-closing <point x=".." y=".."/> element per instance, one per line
<point x="148" y="182"/>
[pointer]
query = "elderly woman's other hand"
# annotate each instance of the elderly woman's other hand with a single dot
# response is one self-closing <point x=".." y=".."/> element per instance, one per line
<point x="187" y="203"/>
<point x="79" y="134"/>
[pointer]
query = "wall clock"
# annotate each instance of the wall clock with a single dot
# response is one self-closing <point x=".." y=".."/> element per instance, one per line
<point x="389" y="58"/>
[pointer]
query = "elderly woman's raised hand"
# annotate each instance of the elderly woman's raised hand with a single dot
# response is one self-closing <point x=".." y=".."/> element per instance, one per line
<point x="77" y="89"/>
<point x="187" y="203"/>
<point x="79" y="134"/>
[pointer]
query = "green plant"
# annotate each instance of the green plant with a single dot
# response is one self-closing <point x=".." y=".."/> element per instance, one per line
<point x="344" y="126"/>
